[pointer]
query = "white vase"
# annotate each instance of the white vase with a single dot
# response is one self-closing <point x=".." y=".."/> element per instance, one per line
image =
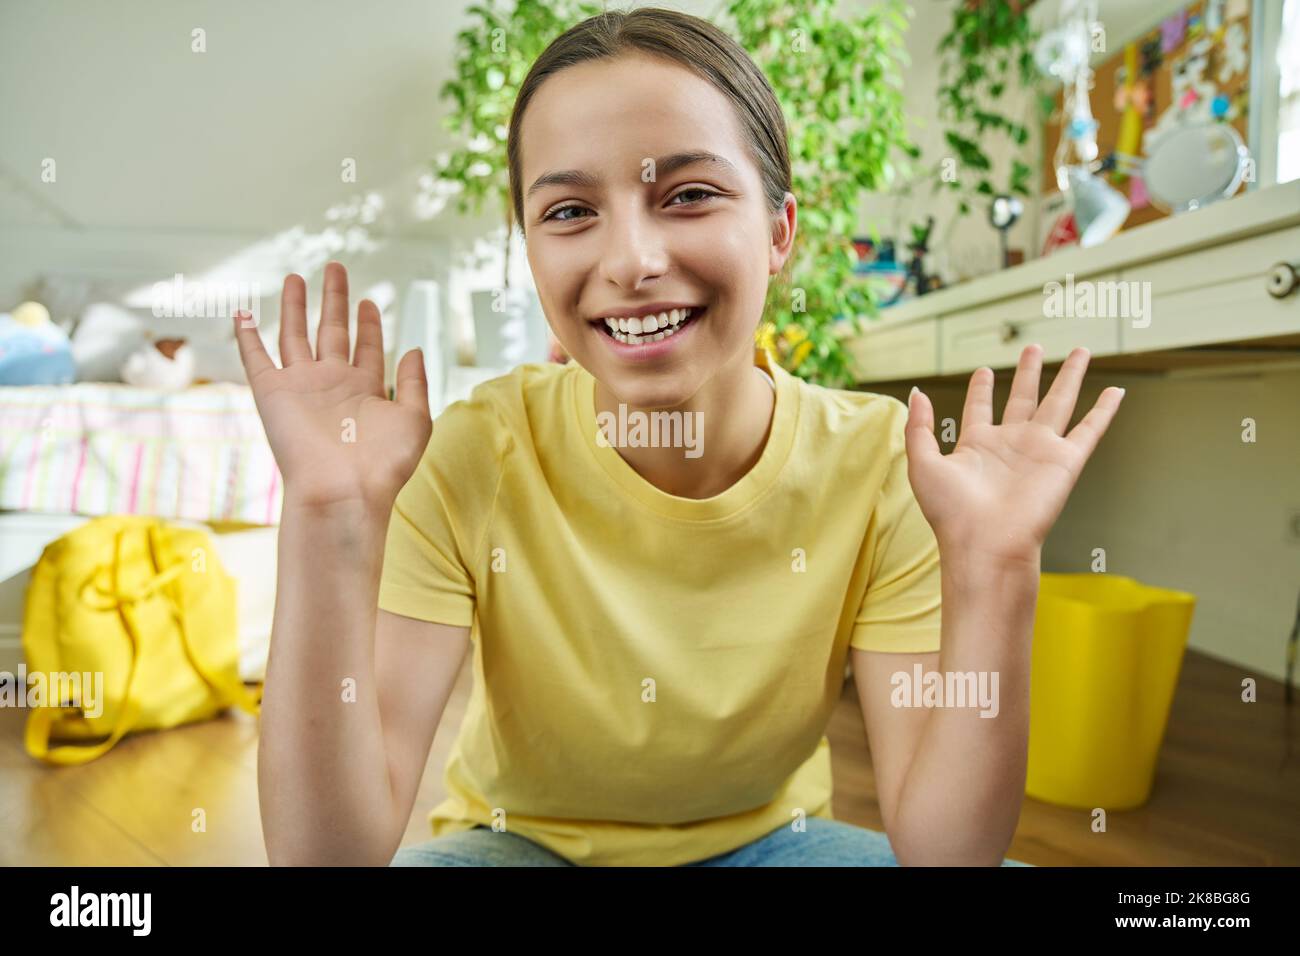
<point x="509" y="328"/>
<point x="420" y="325"/>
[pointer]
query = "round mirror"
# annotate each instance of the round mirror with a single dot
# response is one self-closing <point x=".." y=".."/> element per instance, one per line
<point x="1192" y="166"/>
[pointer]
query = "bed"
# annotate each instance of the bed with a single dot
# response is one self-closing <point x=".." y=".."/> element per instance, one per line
<point x="97" y="448"/>
<point x="197" y="456"/>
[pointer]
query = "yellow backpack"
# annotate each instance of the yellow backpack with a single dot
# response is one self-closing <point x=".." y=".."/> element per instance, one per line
<point x="139" y="614"/>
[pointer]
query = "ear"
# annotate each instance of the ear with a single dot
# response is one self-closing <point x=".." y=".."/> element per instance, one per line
<point x="784" y="224"/>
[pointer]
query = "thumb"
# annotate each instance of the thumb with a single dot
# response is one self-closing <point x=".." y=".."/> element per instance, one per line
<point x="922" y="446"/>
<point x="412" y="387"/>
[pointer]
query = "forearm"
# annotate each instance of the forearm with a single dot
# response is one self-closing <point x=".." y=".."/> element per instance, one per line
<point x="323" y="776"/>
<point x="961" y="796"/>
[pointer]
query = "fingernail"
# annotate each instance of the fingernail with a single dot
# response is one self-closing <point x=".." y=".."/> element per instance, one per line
<point x="1121" y="392"/>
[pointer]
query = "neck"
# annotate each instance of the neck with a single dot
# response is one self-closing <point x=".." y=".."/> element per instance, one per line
<point x="735" y="415"/>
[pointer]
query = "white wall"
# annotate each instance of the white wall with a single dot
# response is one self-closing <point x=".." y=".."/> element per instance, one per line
<point x="112" y="264"/>
<point x="1179" y="500"/>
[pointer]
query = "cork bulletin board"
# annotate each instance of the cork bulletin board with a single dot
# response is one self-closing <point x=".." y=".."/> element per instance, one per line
<point x="1193" y="66"/>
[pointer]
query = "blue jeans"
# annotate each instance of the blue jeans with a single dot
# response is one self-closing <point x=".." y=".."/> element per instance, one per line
<point x="824" y="843"/>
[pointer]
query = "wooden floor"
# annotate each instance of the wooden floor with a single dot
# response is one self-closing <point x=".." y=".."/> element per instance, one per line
<point x="1227" y="791"/>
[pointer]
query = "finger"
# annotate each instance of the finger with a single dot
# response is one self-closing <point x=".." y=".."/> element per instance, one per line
<point x="1058" y="404"/>
<point x="1088" y="432"/>
<point x="332" y="337"/>
<point x="294" y="344"/>
<point x="1023" y="400"/>
<point x="412" y="386"/>
<point x="978" y="409"/>
<point x="922" y="446"/>
<point x="369" y="352"/>
<point x="252" y="351"/>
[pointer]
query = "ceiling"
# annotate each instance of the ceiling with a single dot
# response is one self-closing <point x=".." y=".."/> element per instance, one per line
<point x="245" y="137"/>
<point x="249" y="136"/>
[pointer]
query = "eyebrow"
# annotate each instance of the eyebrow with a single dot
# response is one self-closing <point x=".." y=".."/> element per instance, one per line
<point x="665" y="165"/>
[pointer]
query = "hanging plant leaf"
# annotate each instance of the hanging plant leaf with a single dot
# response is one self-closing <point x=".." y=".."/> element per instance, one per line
<point x="988" y="44"/>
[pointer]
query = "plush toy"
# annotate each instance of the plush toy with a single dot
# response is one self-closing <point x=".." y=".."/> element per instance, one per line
<point x="33" y="350"/>
<point x="166" y="363"/>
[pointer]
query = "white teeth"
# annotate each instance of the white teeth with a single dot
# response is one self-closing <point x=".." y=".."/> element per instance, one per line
<point x="650" y="328"/>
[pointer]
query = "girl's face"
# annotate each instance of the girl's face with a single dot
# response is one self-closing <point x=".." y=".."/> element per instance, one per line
<point x="626" y="211"/>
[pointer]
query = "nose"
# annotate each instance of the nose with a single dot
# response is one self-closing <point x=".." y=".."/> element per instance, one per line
<point x="635" y="246"/>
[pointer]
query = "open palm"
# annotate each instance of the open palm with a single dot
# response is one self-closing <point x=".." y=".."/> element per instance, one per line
<point x="999" y="492"/>
<point x="335" y="434"/>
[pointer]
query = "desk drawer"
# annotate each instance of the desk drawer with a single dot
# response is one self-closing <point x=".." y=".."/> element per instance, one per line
<point x="1215" y="295"/>
<point x="995" y="335"/>
<point x="898" y="352"/>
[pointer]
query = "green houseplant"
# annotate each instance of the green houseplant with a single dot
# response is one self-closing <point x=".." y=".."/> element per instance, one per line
<point x="988" y="50"/>
<point x="839" y="82"/>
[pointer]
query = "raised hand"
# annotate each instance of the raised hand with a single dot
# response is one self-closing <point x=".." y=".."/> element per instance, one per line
<point x="997" y="495"/>
<point x="336" y="435"/>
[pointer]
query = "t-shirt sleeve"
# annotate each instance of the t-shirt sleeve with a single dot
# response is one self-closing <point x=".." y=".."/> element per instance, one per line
<point x="901" y="610"/>
<point x="439" y="522"/>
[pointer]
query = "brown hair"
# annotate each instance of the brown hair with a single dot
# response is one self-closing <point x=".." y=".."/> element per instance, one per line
<point x="694" y="43"/>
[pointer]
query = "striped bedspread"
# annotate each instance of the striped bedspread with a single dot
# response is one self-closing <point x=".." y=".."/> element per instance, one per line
<point x="99" y="448"/>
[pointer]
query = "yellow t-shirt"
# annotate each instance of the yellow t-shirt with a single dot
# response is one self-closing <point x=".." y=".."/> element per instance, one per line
<point x="653" y="675"/>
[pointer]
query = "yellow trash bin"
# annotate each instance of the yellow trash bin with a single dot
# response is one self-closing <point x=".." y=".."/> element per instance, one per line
<point x="1106" y="655"/>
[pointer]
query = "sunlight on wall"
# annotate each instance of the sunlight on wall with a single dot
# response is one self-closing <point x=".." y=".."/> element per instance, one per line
<point x="1288" y="120"/>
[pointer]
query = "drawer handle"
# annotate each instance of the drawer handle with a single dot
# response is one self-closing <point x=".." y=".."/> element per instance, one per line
<point x="1009" y="331"/>
<point x="1282" y="280"/>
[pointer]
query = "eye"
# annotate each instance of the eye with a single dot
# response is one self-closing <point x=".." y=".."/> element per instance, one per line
<point x="708" y="193"/>
<point x="554" y="213"/>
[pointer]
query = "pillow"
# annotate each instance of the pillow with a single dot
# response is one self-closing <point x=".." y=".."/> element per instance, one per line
<point x="33" y="352"/>
<point x="109" y="334"/>
<point x="103" y="339"/>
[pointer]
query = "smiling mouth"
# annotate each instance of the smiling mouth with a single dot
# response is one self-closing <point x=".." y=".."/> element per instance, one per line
<point x="640" y="331"/>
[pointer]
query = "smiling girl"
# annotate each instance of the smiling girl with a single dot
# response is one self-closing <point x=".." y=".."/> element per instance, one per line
<point x="658" y="639"/>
